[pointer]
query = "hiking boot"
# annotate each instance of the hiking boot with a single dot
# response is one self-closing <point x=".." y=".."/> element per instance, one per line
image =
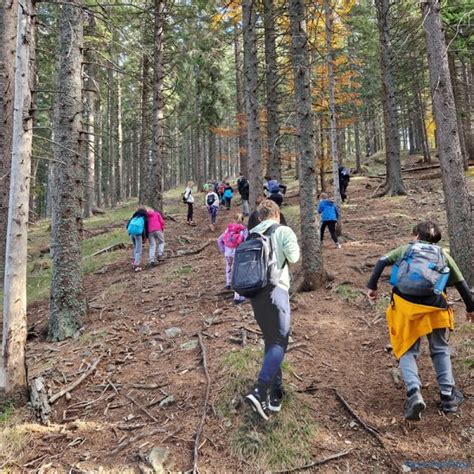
<point x="161" y="258"/>
<point x="414" y="406"/>
<point x="276" y="399"/>
<point x="338" y="246"/>
<point x="450" y="403"/>
<point x="151" y="264"/>
<point x="228" y="287"/>
<point x="258" y="402"/>
<point x="137" y="269"/>
<point x="239" y="301"/>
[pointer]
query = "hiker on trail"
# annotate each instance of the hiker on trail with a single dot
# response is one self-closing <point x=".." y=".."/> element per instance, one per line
<point x="274" y="190"/>
<point x="419" y="307"/>
<point x="220" y="192"/>
<point x="228" y="195"/>
<point x="188" y="199"/>
<point x="344" y="178"/>
<point x="253" y="218"/>
<point x="155" y="227"/>
<point x="212" y="204"/>
<point x="268" y="288"/>
<point x="243" y="187"/>
<point x="137" y="230"/>
<point x="329" y="217"/>
<point x="227" y="242"/>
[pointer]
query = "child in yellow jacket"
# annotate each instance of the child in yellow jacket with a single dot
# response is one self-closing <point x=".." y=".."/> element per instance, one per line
<point x="411" y="316"/>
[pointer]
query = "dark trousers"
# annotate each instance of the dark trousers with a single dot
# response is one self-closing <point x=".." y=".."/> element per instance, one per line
<point x="271" y="308"/>
<point x="227" y="202"/>
<point x="190" y="212"/>
<point x="331" y="225"/>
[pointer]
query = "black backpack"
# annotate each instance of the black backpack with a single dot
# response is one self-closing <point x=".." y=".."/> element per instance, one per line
<point x="211" y="199"/>
<point x="254" y="261"/>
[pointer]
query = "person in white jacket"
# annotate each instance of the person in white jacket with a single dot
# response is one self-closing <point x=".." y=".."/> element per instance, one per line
<point x="212" y="203"/>
<point x="188" y="199"/>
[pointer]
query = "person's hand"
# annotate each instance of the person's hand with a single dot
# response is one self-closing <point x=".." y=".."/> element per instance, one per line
<point x="372" y="295"/>
<point x="470" y="316"/>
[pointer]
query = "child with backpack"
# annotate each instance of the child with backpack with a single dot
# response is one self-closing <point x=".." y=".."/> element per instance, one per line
<point x="261" y="273"/>
<point x="228" y="195"/>
<point x="227" y="242"/>
<point x="188" y="199"/>
<point x="155" y="227"/>
<point x="212" y="203"/>
<point x="274" y="190"/>
<point x="137" y="230"/>
<point x="418" y="308"/>
<point x="329" y="217"/>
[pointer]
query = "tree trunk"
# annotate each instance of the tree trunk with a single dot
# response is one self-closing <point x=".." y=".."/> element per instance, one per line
<point x="99" y="158"/>
<point x="112" y="170"/>
<point x="312" y="258"/>
<point x="458" y="206"/>
<point x="119" y="181"/>
<point x="156" y="176"/>
<point x="332" y="104"/>
<point x="240" y="106"/>
<point x="8" y="22"/>
<point x="249" y="26"/>
<point x="271" y="79"/>
<point x="13" y="379"/>
<point x="67" y="306"/>
<point x="143" y="193"/>
<point x="394" y="184"/>
<point x="357" y="146"/>
<point x="467" y="89"/>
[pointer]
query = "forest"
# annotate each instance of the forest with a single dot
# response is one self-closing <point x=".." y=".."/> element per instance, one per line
<point x="109" y="109"/>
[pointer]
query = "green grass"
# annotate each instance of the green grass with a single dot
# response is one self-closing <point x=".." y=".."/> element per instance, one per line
<point x="348" y="292"/>
<point x="284" y="441"/>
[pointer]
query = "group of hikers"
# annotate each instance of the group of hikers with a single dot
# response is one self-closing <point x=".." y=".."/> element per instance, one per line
<point x="257" y="258"/>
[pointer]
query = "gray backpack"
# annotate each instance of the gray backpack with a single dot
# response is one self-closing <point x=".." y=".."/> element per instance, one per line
<point x="421" y="270"/>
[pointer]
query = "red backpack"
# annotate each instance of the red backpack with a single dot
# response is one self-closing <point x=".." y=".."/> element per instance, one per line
<point x="234" y="235"/>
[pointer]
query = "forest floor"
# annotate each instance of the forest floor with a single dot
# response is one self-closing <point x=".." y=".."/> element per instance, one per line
<point x="149" y="388"/>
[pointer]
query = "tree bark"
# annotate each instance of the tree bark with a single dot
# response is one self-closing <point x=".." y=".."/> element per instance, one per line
<point x="8" y="23"/>
<point x="458" y="206"/>
<point x="119" y="169"/>
<point x="332" y="104"/>
<point x="240" y="106"/>
<point x="312" y="258"/>
<point x="271" y="80"/>
<point x="394" y="184"/>
<point x="13" y="378"/>
<point x="156" y="176"/>
<point x="249" y="26"/>
<point x="67" y="306"/>
<point x="142" y="196"/>
<point x="357" y="146"/>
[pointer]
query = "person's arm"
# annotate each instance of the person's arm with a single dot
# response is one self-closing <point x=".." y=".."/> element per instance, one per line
<point x="457" y="280"/>
<point x="283" y="188"/>
<point x="466" y="295"/>
<point x="220" y="243"/>
<point x="320" y="210"/>
<point x="291" y="249"/>
<point x="161" y="220"/>
<point x="383" y="262"/>
<point x="337" y="212"/>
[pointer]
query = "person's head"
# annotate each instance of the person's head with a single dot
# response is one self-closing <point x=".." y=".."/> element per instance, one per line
<point x="142" y="207"/>
<point x="427" y="231"/>
<point x="323" y="196"/>
<point x="190" y="184"/>
<point x="267" y="177"/>
<point x="268" y="210"/>
<point x="260" y="198"/>
<point x="239" y="218"/>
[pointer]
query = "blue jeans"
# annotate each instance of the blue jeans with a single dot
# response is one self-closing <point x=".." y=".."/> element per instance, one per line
<point x="271" y="307"/>
<point x="213" y="213"/>
<point x="440" y="356"/>
<point x="137" y="249"/>
<point x="156" y="237"/>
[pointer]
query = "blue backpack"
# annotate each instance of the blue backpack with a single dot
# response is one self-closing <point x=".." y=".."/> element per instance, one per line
<point x="273" y="186"/>
<point x="421" y="271"/>
<point x="136" y="226"/>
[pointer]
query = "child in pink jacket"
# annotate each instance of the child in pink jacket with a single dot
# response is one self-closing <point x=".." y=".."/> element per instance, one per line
<point x="156" y="227"/>
<point x="233" y="236"/>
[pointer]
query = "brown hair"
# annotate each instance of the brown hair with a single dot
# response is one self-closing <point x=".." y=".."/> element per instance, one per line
<point x="427" y="231"/>
<point x="323" y="196"/>
<point x="239" y="218"/>
<point x="268" y="209"/>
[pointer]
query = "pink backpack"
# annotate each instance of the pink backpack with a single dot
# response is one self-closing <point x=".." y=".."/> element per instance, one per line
<point x="234" y="235"/>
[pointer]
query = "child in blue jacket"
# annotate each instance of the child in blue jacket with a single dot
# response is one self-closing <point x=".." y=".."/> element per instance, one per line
<point x="329" y="217"/>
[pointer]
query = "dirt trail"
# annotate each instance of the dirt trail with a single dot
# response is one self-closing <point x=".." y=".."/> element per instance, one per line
<point x="339" y="345"/>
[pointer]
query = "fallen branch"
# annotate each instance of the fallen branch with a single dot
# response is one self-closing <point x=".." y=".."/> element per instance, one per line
<point x="370" y="429"/>
<point x="191" y="252"/>
<point x="111" y="248"/>
<point x="74" y="384"/>
<point x="317" y="463"/>
<point x="206" y="402"/>
<point x="128" y="442"/>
